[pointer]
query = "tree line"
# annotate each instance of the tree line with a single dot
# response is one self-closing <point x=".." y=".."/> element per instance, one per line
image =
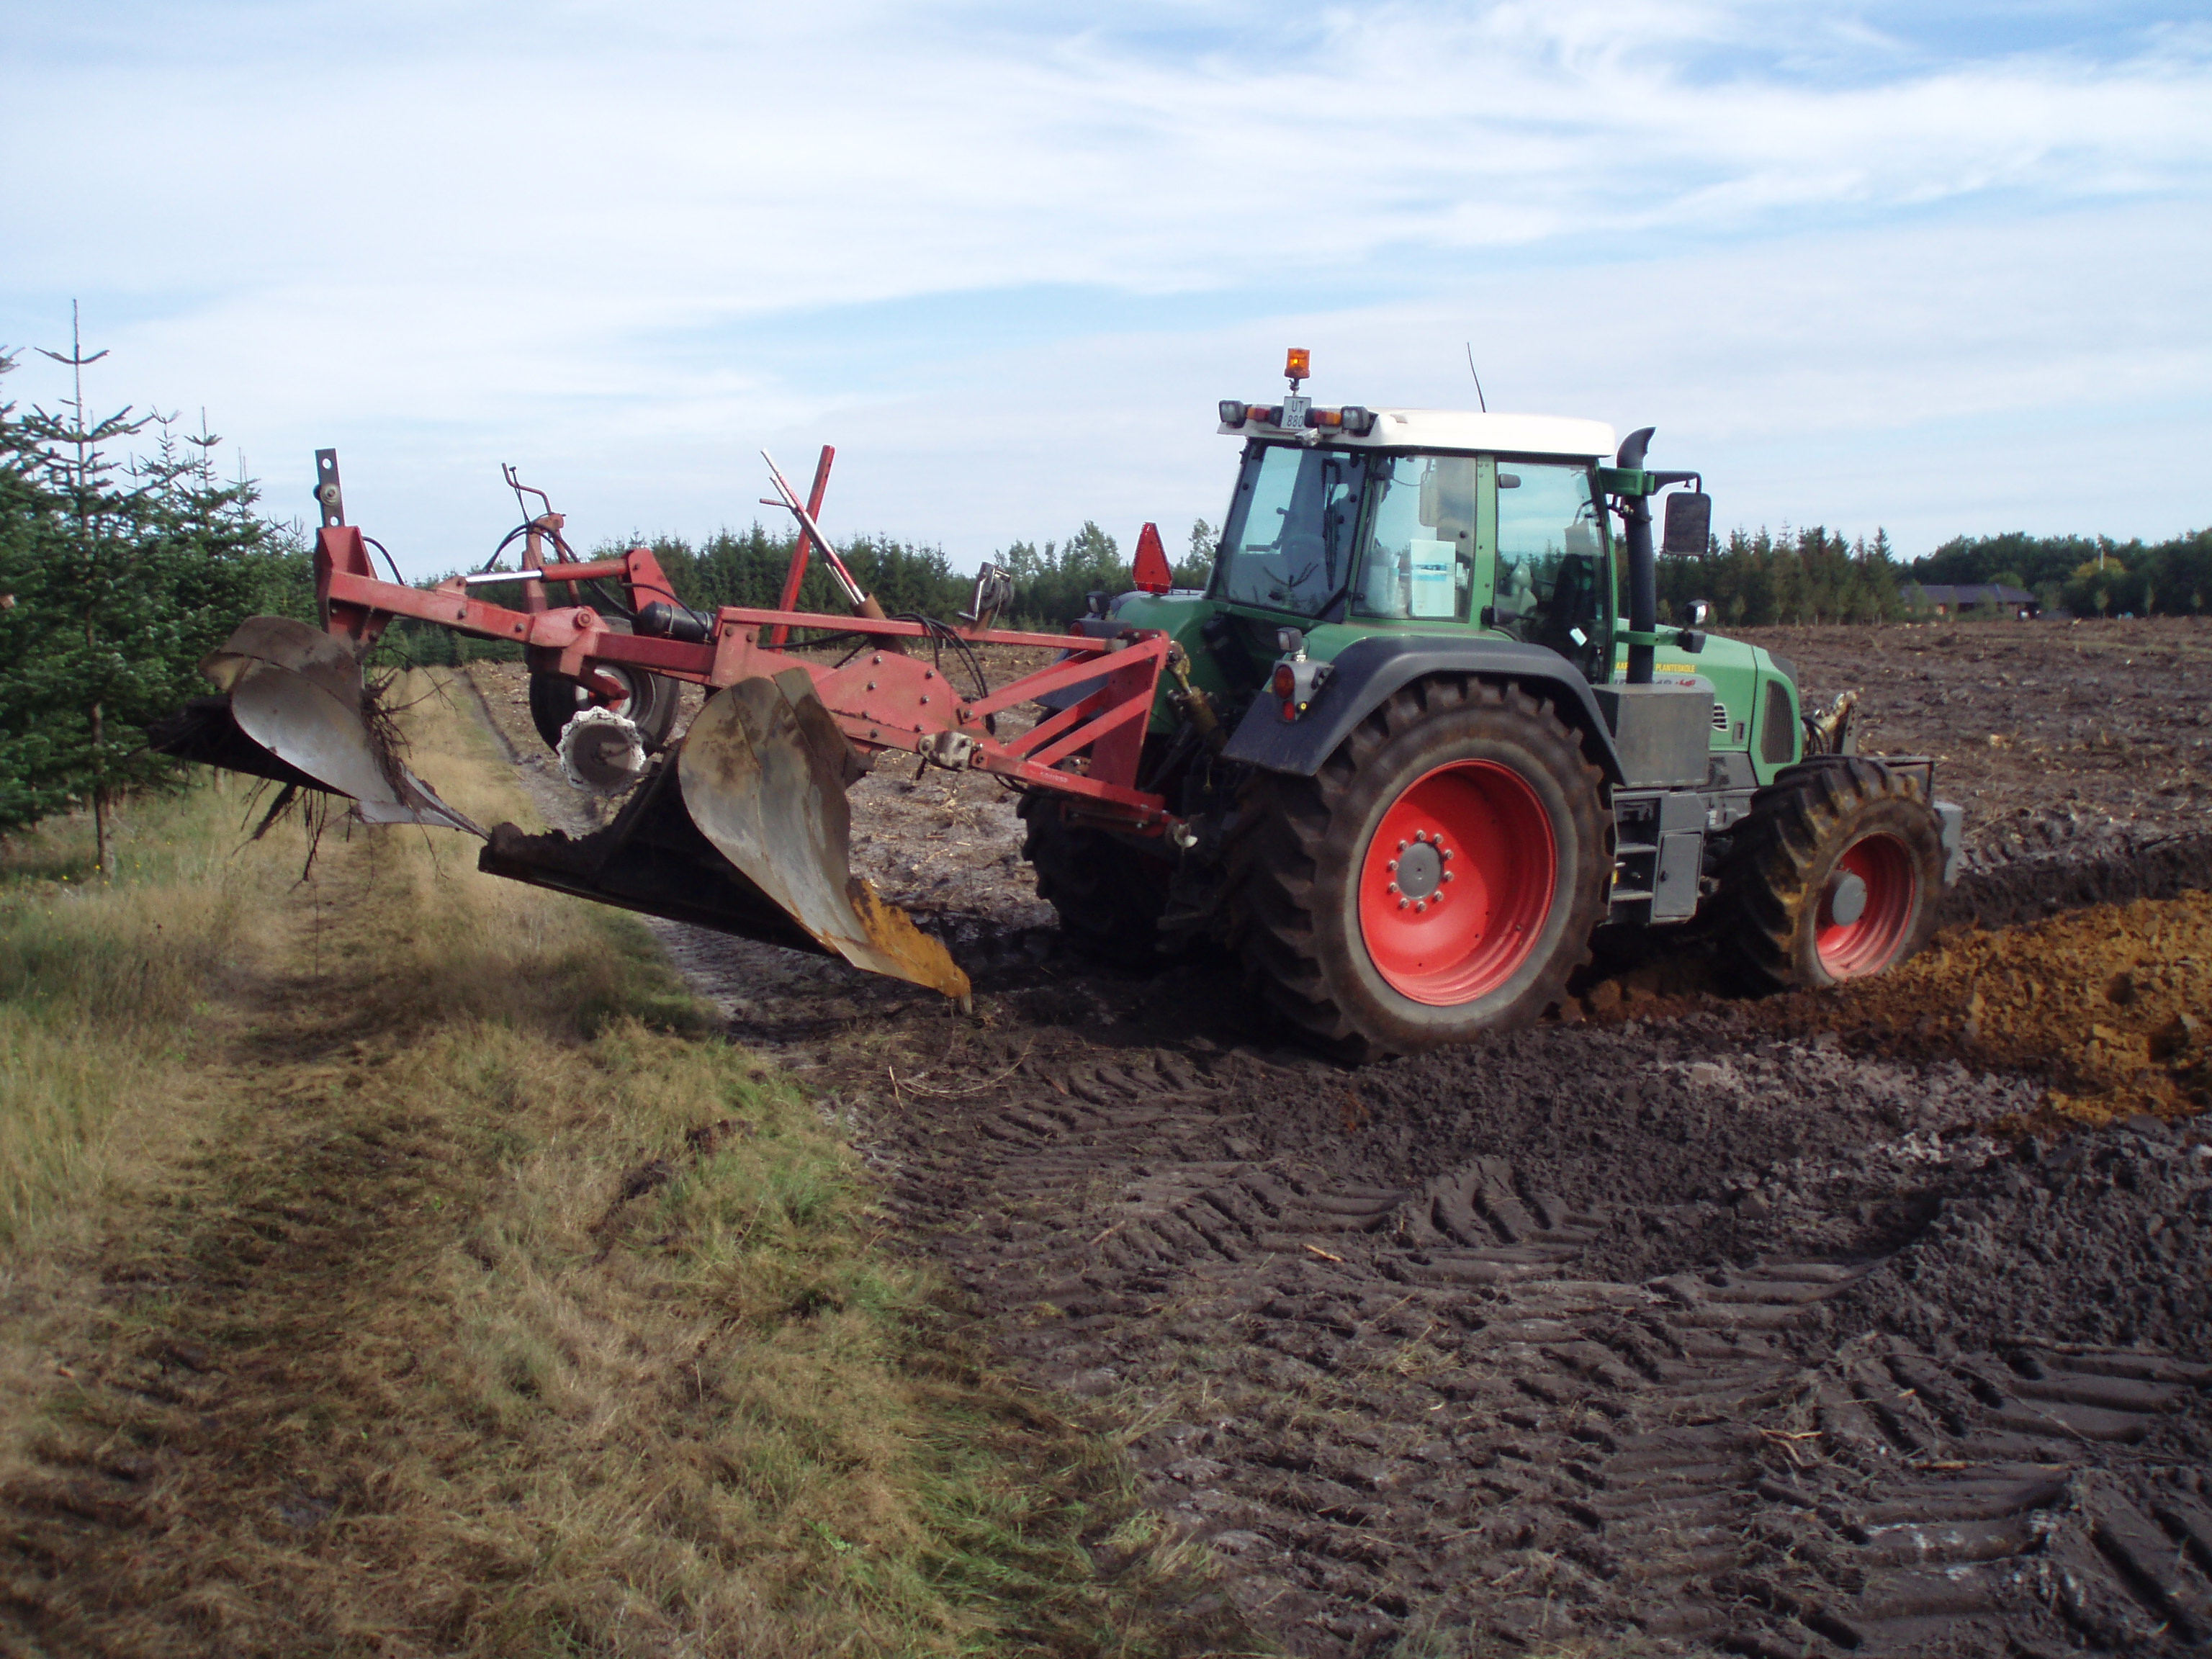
<point x="1052" y="581"/>
<point x="118" y="573"/>
<point x="1812" y="576"/>
<point x="1815" y="575"/>
<point x="2086" y="576"/>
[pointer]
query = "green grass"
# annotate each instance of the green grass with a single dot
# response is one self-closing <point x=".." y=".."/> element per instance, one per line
<point x="100" y="978"/>
<point x="567" y="1325"/>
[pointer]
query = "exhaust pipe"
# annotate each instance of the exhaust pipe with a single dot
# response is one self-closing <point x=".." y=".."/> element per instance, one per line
<point x="1643" y="563"/>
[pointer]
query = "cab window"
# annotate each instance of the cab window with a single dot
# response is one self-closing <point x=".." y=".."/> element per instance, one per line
<point x="1288" y="544"/>
<point x="1550" y="559"/>
<point x="1418" y="559"/>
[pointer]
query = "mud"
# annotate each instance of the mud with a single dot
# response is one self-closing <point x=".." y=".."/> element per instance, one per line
<point x="1642" y="1336"/>
<point x="2100" y="719"/>
<point x="1821" y="1325"/>
<point x="2081" y="751"/>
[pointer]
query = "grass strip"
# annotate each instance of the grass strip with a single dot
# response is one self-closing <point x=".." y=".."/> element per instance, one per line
<point x="467" y="1295"/>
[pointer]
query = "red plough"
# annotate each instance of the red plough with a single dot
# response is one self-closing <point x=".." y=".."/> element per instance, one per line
<point x="743" y="825"/>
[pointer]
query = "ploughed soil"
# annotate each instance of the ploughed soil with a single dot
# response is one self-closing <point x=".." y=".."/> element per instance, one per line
<point x="1874" y="1322"/>
<point x="2087" y="744"/>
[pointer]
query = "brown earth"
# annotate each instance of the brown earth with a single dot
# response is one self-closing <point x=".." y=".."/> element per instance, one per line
<point x="2052" y="734"/>
<point x="1866" y="1322"/>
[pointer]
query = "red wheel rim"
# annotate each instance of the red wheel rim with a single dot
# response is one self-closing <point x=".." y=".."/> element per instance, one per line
<point x="1473" y="847"/>
<point x="1865" y="945"/>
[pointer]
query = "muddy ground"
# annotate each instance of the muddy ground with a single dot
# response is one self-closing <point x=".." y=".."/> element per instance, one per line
<point x="1823" y="1325"/>
<point x="2111" y="718"/>
<point x="2083" y="744"/>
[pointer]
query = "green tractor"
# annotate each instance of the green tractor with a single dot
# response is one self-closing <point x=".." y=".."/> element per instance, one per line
<point x="1419" y="755"/>
<point x="1403" y="756"/>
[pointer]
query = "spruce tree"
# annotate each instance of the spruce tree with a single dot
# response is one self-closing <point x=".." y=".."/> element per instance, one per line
<point x="88" y="588"/>
<point x="124" y="573"/>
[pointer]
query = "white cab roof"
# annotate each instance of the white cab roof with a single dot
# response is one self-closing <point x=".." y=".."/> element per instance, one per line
<point x="1460" y="429"/>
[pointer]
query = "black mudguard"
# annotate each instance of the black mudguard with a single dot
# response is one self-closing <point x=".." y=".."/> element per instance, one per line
<point x="1370" y="670"/>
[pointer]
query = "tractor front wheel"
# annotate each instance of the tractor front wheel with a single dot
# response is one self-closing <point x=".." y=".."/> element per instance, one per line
<point x="1835" y="875"/>
<point x="1439" y="878"/>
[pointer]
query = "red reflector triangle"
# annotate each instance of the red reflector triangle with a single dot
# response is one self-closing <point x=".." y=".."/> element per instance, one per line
<point x="1152" y="573"/>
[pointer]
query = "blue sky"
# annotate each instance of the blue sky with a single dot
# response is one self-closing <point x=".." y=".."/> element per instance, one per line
<point x="1940" y="269"/>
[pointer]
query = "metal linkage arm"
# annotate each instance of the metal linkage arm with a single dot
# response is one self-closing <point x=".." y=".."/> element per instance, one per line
<point x="882" y="699"/>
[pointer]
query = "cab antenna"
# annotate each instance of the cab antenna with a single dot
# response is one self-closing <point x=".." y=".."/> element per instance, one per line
<point x="1478" y="397"/>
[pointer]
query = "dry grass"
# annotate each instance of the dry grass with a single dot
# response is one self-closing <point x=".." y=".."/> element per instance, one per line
<point x="480" y="1305"/>
<point x="99" y="983"/>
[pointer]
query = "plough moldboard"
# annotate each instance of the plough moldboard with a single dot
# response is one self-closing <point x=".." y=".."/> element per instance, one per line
<point x="743" y="826"/>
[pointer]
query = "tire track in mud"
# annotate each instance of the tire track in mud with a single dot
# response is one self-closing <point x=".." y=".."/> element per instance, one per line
<point x="1652" y="1334"/>
<point x="1410" y="1408"/>
<point x="2028" y="870"/>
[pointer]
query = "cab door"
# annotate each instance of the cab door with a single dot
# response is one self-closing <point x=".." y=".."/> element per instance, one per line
<point x="1419" y="557"/>
<point x="1549" y="576"/>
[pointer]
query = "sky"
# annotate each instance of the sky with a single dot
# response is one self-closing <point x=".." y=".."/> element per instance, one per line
<point x="1938" y="269"/>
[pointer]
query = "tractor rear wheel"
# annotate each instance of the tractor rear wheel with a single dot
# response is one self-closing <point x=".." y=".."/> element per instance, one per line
<point x="1835" y="875"/>
<point x="1108" y="895"/>
<point x="1439" y="878"/>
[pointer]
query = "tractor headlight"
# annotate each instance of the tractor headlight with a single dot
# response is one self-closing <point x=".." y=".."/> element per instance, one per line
<point x="1232" y="412"/>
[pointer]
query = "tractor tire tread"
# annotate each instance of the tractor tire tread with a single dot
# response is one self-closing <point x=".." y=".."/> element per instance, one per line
<point x="1273" y="926"/>
<point x="1767" y="880"/>
<point x="1093" y="883"/>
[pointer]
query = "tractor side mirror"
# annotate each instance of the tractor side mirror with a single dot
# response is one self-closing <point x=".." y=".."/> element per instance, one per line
<point x="1689" y="524"/>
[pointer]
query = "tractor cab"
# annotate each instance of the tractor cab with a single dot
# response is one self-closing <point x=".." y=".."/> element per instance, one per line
<point x="1414" y="536"/>
<point x="1354" y="524"/>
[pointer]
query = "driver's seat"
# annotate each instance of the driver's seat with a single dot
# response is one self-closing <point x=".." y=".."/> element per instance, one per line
<point x="1573" y="604"/>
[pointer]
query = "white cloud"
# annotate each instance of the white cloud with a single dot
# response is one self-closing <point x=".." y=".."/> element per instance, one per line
<point x="444" y="239"/>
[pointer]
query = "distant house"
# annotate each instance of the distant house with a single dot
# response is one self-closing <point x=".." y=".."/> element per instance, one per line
<point x="1974" y="599"/>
